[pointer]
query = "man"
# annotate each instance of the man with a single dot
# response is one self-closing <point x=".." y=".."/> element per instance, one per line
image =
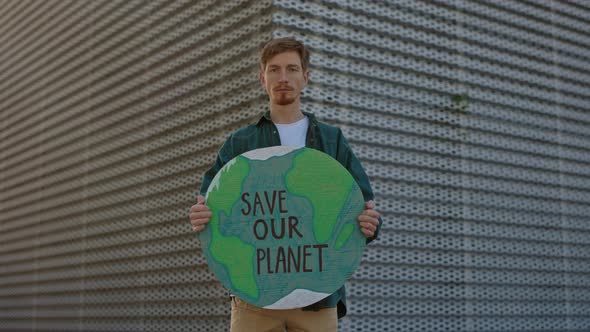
<point x="283" y="74"/>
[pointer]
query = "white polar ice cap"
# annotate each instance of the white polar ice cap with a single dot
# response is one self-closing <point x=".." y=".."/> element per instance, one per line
<point x="265" y="153"/>
<point x="298" y="298"/>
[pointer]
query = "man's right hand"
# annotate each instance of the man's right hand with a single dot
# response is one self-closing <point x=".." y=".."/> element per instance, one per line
<point x="200" y="214"/>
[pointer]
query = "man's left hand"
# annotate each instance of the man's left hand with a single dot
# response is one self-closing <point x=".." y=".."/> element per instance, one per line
<point x="369" y="219"/>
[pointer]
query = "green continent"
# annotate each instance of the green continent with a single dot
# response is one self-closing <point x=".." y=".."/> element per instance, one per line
<point x="343" y="236"/>
<point x="328" y="186"/>
<point x="230" y="251"/>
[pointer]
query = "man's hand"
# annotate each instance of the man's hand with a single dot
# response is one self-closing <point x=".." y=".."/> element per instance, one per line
<point x="200" y="214"/>
<point x="369" y="219"/>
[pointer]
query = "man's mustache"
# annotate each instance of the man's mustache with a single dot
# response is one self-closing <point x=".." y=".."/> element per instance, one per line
<point x="282" y="87"/>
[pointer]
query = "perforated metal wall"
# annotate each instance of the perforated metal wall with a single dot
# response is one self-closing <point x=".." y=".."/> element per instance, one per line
<point x="471" y="118"/>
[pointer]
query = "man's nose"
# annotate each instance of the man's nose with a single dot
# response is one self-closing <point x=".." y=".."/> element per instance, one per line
<point x="283" y="76"/>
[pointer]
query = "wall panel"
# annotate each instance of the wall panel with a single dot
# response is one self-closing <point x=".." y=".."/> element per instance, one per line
<point x="470" y="118"/>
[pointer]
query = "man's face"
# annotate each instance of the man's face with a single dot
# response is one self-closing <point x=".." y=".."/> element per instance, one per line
<point x="283" y="78"/>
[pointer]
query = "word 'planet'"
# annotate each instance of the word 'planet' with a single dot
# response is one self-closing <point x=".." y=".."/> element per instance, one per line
<point x="283" y="232"/>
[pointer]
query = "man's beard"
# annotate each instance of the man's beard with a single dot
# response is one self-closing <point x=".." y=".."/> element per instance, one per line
<point x="284" y="99"/>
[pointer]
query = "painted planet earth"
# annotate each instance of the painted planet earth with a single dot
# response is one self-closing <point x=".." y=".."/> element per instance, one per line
<point x="283" y="232"/>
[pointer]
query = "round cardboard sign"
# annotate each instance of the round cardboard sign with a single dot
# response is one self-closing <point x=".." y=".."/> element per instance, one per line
<point x="283" y="232"/>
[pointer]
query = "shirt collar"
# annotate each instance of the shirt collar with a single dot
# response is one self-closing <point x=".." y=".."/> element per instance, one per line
<point x="266" y="117"/>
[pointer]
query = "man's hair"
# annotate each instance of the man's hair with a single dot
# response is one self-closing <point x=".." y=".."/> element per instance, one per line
<point x="282" y="45"/>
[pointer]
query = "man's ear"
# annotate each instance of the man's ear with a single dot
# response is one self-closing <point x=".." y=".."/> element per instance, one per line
<point x="306" y="76"/>
<point x="262" y="80"/>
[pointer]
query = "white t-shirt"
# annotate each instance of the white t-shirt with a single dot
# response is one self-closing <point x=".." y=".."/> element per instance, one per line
<point x="293" y="134"/>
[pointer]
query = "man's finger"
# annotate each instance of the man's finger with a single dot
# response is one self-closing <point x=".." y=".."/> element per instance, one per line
<point x="201" y="199"/>
<point x="199" y="208"/>
<point x="365" y="218"/>
<point x="368" y="226"/>
<point x="369" y="219"/>
<point x="369" y="204"/>
<point x="198" y="228"/>
<point x="200" y="214"/>
<point x="200" y="221"/>
<point x="372" y="224"/>
<point x="367" y="232"/>
<point x="371" y="213"/>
